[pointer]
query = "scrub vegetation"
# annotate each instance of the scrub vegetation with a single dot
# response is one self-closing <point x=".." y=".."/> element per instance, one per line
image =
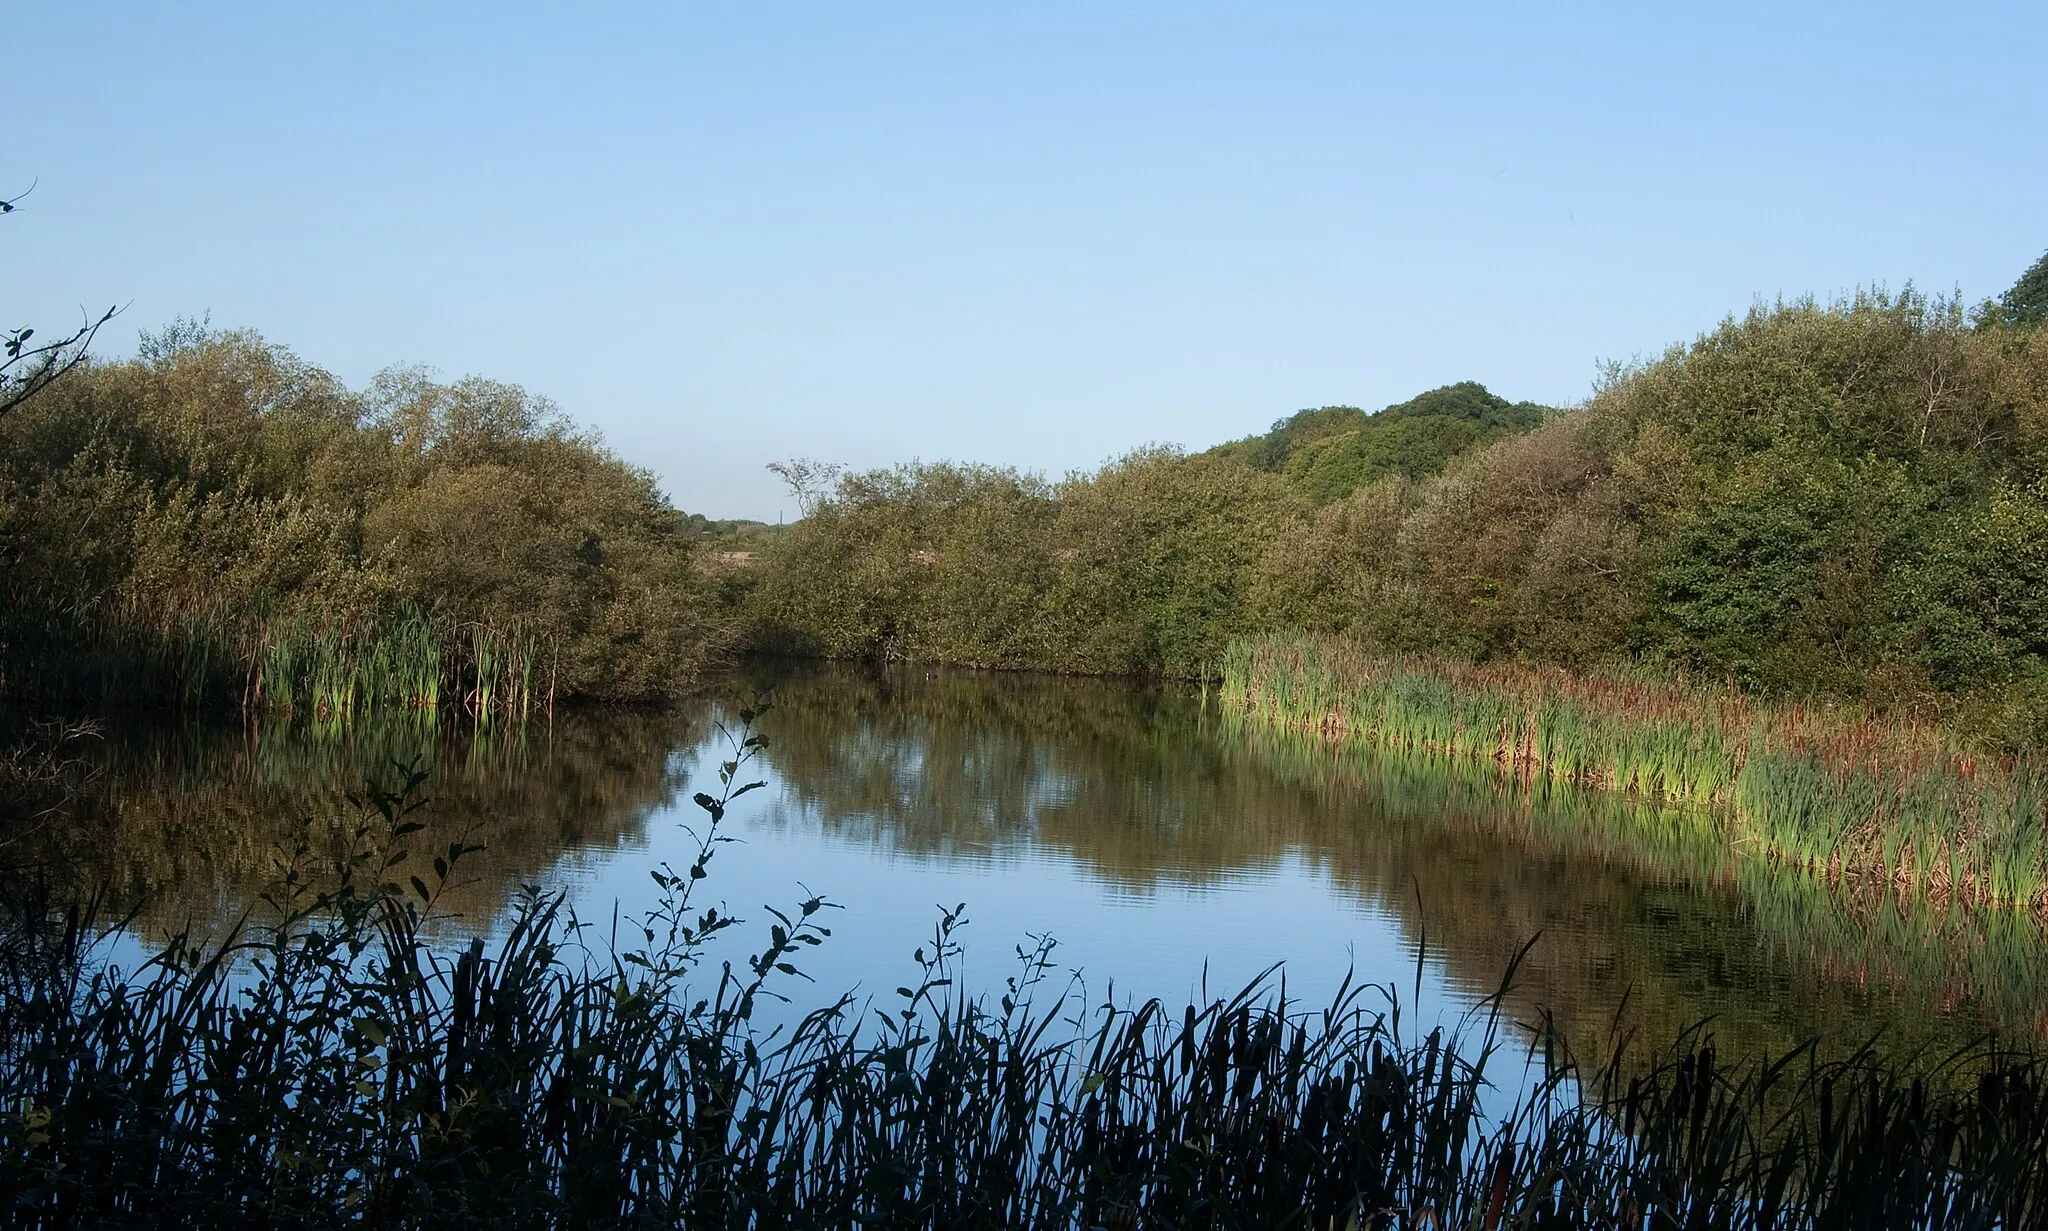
<point x="1813" y="502"/>
<point x="1327" y="454"/>
<point x="1795" y="572"/>
<point x="217" y="522"/>
<point x="1843" y="502"/>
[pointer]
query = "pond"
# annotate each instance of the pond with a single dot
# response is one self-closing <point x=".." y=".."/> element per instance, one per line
<point x="1166" y="848"/>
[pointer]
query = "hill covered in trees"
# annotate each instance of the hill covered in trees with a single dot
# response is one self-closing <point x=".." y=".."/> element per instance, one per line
<point x="1330" y="452"/>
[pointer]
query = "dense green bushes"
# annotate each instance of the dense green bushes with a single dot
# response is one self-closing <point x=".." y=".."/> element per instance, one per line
<point x="1331" y="452"/>
<point x="1846" y="500"/>
<point x="1815" y="484"/>
<point x="218" y="520"/>
<point x="1810" y="500"/>
<point x="1144" y="566"/>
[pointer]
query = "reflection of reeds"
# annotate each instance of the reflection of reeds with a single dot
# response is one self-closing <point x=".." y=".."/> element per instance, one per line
<point x="1833" y="791"/>
<point x="1846" y="960"/>
<point x="186" y="821"/>
<point x="1635" y="896"/>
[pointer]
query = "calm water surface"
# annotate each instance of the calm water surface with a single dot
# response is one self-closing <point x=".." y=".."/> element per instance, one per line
<point x="1165" y="848"/>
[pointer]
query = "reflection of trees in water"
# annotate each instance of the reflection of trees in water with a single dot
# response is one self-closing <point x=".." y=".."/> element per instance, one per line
<point x="972" y="759"/>
<point x="191" y="822"/>
<point x="1645" y="902"/>
<point x="1138" y="785"/>
<point x="1145" y="784"/>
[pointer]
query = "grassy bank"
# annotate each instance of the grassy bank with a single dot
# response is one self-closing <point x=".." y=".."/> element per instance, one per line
<point x="1821" y="788"/>
<point x="1646" y="901"/>
<point x="1150" y="790"/>
<point x="331" y="1066"/>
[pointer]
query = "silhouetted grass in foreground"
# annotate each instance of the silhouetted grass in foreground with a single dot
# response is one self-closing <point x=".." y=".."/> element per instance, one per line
<point x="331" y="1067"/>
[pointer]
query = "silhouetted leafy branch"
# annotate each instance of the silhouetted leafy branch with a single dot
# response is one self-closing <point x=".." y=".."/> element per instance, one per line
<point x="28" y="365"/>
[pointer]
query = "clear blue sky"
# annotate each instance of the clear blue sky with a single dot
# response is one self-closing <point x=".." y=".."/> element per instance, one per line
<point x="1036" y="234"/>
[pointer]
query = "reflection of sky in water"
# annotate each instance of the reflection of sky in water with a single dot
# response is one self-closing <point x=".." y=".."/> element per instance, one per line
<point x="1163" y="939"/>
<point x="1156" y="844"/>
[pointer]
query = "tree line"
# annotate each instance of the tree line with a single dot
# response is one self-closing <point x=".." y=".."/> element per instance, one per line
<point x="1834" y="500"/>
<point x="1844" y="500"/>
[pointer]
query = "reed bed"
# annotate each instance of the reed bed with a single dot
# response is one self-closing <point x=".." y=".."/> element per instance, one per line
<point x="1825" y="789"/>
<point x="415" y="662"/>
<point x="330" y="1066"/>
<point x="202" y="654"/>
<point x="1853" y="957"/>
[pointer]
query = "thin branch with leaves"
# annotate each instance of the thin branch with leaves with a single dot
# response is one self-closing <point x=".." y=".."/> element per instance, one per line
<point x="29" y="366"/>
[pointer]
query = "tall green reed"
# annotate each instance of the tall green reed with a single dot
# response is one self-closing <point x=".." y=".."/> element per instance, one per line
<point x="202" y="653"/>
<point x="412" y="662"/>
<point x="1834" y="791"/>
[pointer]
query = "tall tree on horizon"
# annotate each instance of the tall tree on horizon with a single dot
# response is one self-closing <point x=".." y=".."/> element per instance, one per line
<point x="2026" y="303"/>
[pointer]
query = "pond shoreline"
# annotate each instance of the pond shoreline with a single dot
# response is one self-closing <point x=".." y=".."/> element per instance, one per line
<point x="1838" y="794"/>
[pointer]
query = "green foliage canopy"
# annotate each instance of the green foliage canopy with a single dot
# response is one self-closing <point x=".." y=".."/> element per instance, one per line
<point x="163" y="520"/>
<point x="1333" y="451"/>
<point x="2026" y="303"/>
<point x="1143" y="566"/>
<point x="1839" y="500"/>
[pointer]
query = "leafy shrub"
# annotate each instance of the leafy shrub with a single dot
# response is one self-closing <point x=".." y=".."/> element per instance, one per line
<point x="171" y="521"/>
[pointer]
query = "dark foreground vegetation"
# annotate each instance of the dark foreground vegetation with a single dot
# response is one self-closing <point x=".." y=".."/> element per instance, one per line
<point x="1144" y="788"/>
<point x="328" y="1065"/>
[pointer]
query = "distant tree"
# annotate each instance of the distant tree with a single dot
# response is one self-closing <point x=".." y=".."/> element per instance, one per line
<point x="27" y="366"/>
<point x="2027" y="302"/>
<point x="807" y="480"/>
<point x="1331" y="451"/>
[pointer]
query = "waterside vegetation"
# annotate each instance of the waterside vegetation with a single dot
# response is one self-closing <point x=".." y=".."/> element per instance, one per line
<point x="1796" y="571"/>
<point x="1146" y="788"/>
<point x="1636" y="900"/>
<point x="1820" y="788"/>
<point x="1786" y="587"/>
<point x="1842" y="502"/>
<point x="218" y="523"/>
